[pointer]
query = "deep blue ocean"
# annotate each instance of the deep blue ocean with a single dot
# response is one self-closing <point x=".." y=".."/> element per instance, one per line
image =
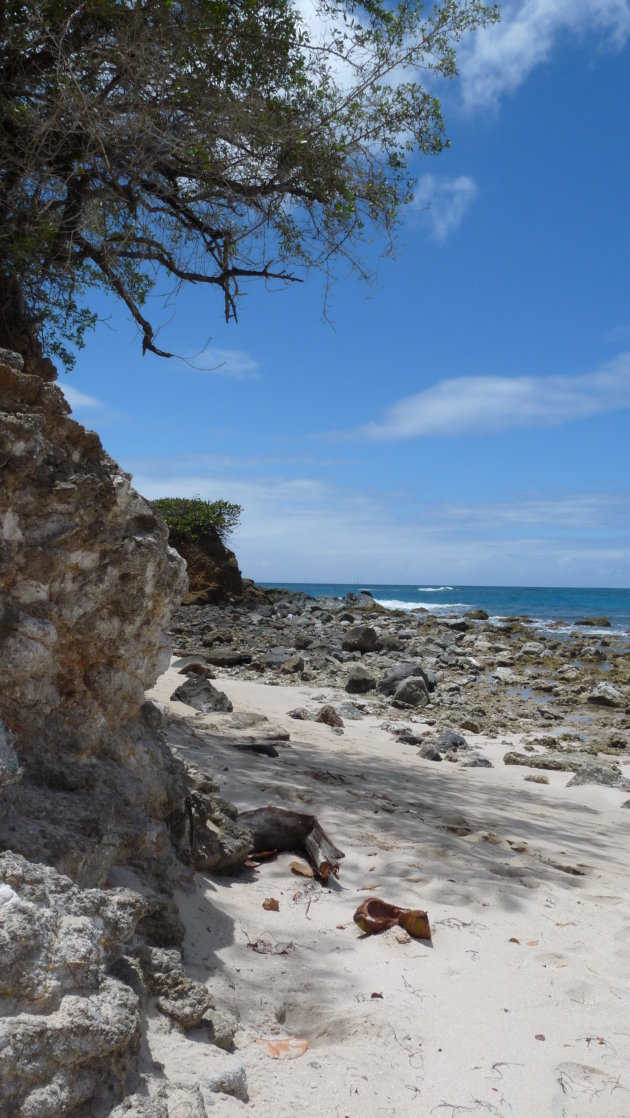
<point x="542" y="604"/>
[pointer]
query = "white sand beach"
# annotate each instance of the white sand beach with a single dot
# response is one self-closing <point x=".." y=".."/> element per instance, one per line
<point x="519" y="1005"/>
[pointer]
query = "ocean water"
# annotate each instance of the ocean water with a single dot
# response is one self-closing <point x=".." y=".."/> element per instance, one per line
<point x="544" y="605"/>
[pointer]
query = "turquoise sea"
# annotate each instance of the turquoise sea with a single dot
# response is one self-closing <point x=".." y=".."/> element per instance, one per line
<point x="544" y="605"/>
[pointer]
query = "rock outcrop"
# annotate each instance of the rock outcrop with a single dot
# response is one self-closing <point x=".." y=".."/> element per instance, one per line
<point x="87" y="584"/>
<point x="213" y="570"/>
<point x="87" y="783"/>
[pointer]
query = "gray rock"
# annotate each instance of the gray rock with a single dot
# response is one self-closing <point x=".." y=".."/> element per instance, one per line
<point x="587" y="769"/>
<point x="72" y="1029"/>
<point x="178" y="996"/>
<point x="230" y="1078"/>
<point x="359" y="681"/>
<point x="87" y="584"/>
<point x="223" y="1027"/>
<point x="228" y="657"/>
<point x="350" y="711"/>
<point x="430" y="752"/>
<point x="411" y="692"/>
<point x="199" y="693"/>
<point x="606" y="694"/>
<point x="449" y="741"/>
<point x="301" y="714"/>
<point x="277" y="657"/>
<point x="360" y="638"/>
<point x="329" y="716"/>
<point x="393" y="676"/>
<point x="476" y="761"/>
<point x="295" y="663"/>
<point x="10" y="771"/>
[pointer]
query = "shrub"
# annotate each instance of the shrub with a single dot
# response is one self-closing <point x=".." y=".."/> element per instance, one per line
<point x="195" y="519"/>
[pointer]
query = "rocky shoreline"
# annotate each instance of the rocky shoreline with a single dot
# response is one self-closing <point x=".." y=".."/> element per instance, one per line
<point x="435" y="682"/>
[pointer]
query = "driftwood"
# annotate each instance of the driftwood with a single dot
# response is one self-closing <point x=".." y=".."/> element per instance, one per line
<point x="276" y="829"/>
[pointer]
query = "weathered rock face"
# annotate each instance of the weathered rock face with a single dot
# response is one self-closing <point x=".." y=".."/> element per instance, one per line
<point x="87" y="583"/>
<point x="213" y="570"/>
<point x="70" y="1029"/>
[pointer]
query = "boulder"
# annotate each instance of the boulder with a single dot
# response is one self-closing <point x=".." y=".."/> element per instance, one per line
<point x="450" y="742"/>
<point x="360" y="638"/>
<point x="393" y="676"/>
<point x="359" y="681"/>
<point x="199" y="693"/>
<point x="329" y="716"/>
<point x="411" y="692"/>
<point x="429" y="752"/>
<point x="606" y="694"/>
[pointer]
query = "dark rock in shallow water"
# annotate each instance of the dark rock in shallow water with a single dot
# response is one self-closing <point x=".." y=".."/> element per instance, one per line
<point x="359" y="681"/>
<point x="595" y="622"/>
<point x="201" y="695"/>
<point x="606" y="694"/>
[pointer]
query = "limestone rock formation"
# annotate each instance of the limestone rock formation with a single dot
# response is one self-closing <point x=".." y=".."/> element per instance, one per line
<point x="213" y="570"/>
<point x="87" y="584"/>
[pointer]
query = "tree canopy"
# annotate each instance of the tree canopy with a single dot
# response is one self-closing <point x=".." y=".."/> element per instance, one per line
<point x="192" y="518"/>
<point x="203" y="141"/>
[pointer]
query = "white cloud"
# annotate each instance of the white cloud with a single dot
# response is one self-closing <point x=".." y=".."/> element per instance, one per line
<point x="233" y="363"/>
<point x="443" y="202"/>
<point x="476" y="404"/>
<point x="499" y="58"/>
<point x="312" y="531"/>
<point x="79" y="401"/>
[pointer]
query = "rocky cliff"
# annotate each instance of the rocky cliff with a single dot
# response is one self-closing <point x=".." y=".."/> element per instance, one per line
<point x="87" y="783"/>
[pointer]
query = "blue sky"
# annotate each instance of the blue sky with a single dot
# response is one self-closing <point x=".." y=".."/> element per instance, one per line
<point x="467" y="418"/>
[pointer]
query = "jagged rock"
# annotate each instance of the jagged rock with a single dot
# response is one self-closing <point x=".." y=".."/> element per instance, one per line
<point x="230" y="1078"/>
<point x="206" y="827"/>
<point x="277" y="657"/>
<point x="411" y="692"/>
<point x="301" y="714"/>
<point x="10" y="771"/>
<point x="137" y="1106"/>
<point x="587" y="769"/>
<point x="359" y="681"/>
<point x="393" y="676"/>
<point x="295" y="663"/>
<point x="606" y="694"/>
<point x="223" y="1027"/>
<point x="430" y="752"/>
<point x="476" y="761"/>
<point x="199" y="693"/>
<point x="87" y="583"/>
<point x="329" y="716"/>
<point x="449" y="741"/>
<point x="178" y="997"/>
<point x="350" y="711"/>
<point x="69" y="1031"/>
<point x="360" y="638"/>
<point x="228" y="657"/>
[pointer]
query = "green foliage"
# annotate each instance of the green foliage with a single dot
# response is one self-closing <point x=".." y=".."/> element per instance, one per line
<point x="194" y="519"/>
<point x="204" y="141"/>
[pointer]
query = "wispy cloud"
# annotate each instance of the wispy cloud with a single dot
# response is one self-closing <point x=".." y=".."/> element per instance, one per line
<point x="478" y="404"/>
<point x="498" y="59"/>
<point x="309" y="530"/>
<point x="233" y="363"/>
<point x="442" y="202"/>
<point x="79" y="401"/>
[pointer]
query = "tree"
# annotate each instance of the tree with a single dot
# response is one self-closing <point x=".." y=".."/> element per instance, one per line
<point x="204" y="141"/>
<point x="192" y="518"/>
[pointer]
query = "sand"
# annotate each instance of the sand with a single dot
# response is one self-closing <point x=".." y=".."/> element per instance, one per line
<point x="520" y="1006"/>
